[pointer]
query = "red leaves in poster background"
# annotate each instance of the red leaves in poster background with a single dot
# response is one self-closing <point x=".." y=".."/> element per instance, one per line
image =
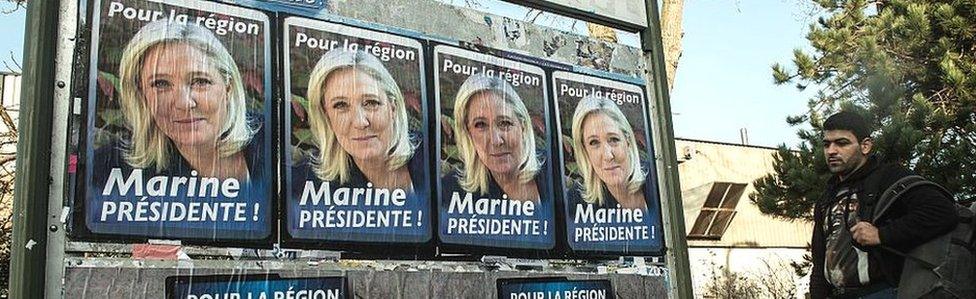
<point x="538" y="124"/>
<point x="106" y="87"/>
<point x="446" y="129"/>
<point x="252" y="81"/>
<point x="568" y="148"/>
<point x="641" y="139"/>
<point x="298" y="109"/>
<point x="412" y="100"/>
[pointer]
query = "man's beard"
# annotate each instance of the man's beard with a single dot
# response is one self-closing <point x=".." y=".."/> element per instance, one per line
<point x="848" y="166"/>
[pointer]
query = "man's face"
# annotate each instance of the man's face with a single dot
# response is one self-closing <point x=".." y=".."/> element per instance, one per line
<point x="844" y="153"/>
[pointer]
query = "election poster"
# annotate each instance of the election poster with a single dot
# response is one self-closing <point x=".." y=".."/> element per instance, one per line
<point x="356" y="114"/>
<point x="495" y="185"/>
<point x="610" y="184"/>
<point x="177" y="142"/>
<point x="554" y="288"/>
<point x="260" y="286"/>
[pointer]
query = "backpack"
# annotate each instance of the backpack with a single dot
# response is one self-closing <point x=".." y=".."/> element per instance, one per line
<point x="944" y="267"/>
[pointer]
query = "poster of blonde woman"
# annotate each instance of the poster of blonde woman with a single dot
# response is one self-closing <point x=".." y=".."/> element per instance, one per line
<point x="356" y="157"/>
<point x="610" y="186"/>
<point x="177" y="142"/>
<point x="495" y="182"/>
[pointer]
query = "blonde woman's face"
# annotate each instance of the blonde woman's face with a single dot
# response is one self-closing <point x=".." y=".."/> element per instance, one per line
<point x="495" y="131"/>
<point x="606" y="148"/>
<point x="185" y="93"/>
<point x="360" y="114"/>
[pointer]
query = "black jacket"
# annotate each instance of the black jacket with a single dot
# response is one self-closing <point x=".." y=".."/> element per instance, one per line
<point x="110" y="156"/>
<point x="452" y="183"/>
<point x="918" y="216"/>
<point x="649" y="188"/>
<point x="303" y="172"/>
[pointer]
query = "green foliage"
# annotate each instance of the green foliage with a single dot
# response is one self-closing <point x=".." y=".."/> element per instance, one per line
<point x="113" y="117"/>
<point x="909" y="66"/>
<point x="793" y="197"/>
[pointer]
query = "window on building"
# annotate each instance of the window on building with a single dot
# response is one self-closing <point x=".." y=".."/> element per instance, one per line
<point x="717" y="212"/>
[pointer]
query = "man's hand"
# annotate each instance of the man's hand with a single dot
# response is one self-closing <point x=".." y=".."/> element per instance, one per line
<point x="865" y="233"/>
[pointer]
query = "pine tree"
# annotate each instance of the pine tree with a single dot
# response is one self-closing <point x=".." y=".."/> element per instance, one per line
<point x="909" y="66"/>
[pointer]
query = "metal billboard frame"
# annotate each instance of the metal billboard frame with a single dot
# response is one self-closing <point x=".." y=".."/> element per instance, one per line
<point x="38" y="245"/>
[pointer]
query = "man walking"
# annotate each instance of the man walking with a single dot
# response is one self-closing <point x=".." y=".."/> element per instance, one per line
<point x="851" y="255"/>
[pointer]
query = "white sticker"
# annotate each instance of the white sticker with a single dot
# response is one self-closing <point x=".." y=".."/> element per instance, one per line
<point x="64" y="214"/>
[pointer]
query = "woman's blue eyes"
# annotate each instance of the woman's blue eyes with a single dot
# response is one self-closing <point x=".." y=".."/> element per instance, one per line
<point x="159" y="84"/>
<point x="199" y="82"/>
<point x="195" y="82"/>
<point x="369" y="104"/>
<point x="503" y="125"/>
<point x="613" y="140"/>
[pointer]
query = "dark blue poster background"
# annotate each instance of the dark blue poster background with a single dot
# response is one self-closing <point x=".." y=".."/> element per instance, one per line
<point x="607" y="142"/>
<point x="554" y="288"/>
<point x="178" y="142"/>
<point x="366" y="109"/>
<point x="494" y="164"/>
<point x="254" y="287"/>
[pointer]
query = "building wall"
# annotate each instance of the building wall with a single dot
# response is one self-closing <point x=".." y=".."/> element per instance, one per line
<point x="705" y="163"/>
<point x="755" y="246"/>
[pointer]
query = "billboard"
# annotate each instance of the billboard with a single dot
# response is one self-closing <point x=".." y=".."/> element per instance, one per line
<point x="495" y="185"/>
<point x="344" y="135"/>
<point x="267" y="286"/>
<point x="553" y="288"/>
<point x="356" y="121"/>
<point x="610" y="185"/>
<point x="178" y="134"/>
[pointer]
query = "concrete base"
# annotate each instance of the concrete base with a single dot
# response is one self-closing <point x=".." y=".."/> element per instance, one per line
<point x="127" y="278"/>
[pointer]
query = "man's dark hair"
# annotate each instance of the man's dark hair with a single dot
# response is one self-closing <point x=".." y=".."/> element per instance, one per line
<point x="850" y="121"/>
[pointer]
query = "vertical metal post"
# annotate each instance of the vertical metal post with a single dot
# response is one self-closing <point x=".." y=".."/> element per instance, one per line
<point x="64" y="68"/>
<point x="28" y="247"/>
<point x="672" y="208"/>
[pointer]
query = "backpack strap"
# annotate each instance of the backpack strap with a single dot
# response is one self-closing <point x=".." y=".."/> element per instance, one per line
<point x="899" y="188"/>
<point x="893" y="193"/>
